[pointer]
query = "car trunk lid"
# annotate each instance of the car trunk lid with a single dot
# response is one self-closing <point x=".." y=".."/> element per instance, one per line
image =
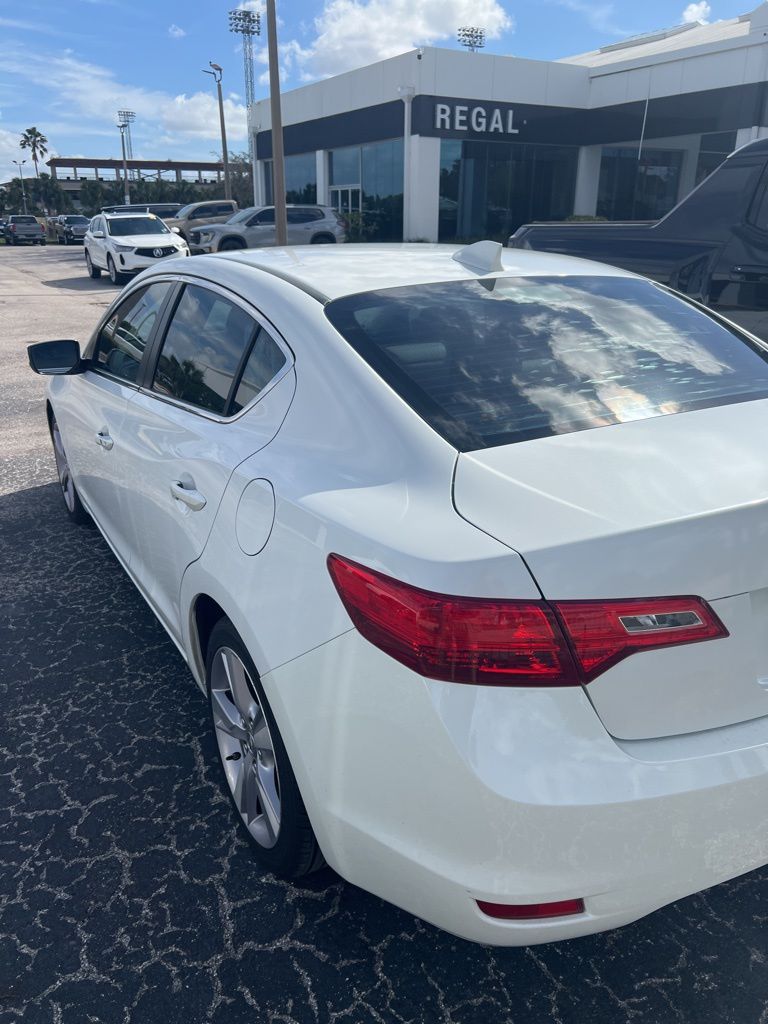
<point x="667" y="506"/>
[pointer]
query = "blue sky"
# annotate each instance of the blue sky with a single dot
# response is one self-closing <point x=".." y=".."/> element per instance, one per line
<point x="67" y="66"/>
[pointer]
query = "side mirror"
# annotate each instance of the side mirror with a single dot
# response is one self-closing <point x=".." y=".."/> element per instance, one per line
<point x="176" y="230"/>
<point x="55" y="357"/>
<point x="97" y="234"/>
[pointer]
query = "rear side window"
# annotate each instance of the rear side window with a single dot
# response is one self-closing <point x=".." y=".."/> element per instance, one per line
<point x="264" y="362"/>
<point x="124" y="337"/>
<point x="493" y="362"/>
<point x="204" y="346"/>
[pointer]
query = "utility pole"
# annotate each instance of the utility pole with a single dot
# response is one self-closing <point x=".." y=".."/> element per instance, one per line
<point x="216" y="74"/>
<point x="19" y="164"/>
<point x="278" y="156"/>
<point x="128" y="117"/>
<point x="126" y="187"/>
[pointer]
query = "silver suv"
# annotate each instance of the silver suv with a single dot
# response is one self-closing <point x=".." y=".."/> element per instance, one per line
<point x="195" y="214"/>
<point x="255" y="227"/>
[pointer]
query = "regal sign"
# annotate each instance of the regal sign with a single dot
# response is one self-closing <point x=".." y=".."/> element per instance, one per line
<point x="482" y="119"/>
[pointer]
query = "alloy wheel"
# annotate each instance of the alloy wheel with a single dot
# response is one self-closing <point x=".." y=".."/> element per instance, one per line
<point x="62" y="467"/>
<point x="112" y="270"/>
<point x="246" y="747"/>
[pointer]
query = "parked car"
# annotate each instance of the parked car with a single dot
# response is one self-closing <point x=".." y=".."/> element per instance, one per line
<point x="165" y="211"/>
<point x="125" y="243"/>
<point x="713" y="246"/>
<point x="467" y="549"/>
<point x="196" y="214"/>
<point x="21" y="228"/>
<point x="255" y="227"/>
<point x="70" y="228"/>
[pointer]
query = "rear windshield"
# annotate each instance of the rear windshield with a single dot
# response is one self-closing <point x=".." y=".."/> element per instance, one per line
<point x="148" y="225"/>
<point x="493" y="362"/>
<point x="75" y="220"/>
<point x="24" y="220"/>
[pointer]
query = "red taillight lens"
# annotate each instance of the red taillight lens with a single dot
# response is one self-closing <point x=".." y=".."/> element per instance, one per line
<point x="531" y="911"/>
<point x="457" y="639"/>
<point x="512" y="643"/>
<point x="604" y="632"/>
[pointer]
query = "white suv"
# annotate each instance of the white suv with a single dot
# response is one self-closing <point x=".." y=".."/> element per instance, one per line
<point x="125" y="243"/>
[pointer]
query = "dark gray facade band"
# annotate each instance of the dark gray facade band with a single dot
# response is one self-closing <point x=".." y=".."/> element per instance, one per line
<point x="712" y="110"/>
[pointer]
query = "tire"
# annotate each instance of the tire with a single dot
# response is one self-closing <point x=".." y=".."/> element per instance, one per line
<point x="282" y="841"/>
<point x="44" y="242"/>
<point x="75" y="508"/>
<point x="230" y="244"/>
<point x="66" y="240"/>
<point x="114" y="274"/>
<point x="322" y="240"/>
<point x="93" y="271"/>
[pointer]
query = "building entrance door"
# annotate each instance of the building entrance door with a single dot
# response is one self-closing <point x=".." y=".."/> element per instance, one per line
<point x="346" y="198"/>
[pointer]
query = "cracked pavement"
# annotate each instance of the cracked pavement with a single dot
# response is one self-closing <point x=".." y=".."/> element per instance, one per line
<point x="126" y="894"/>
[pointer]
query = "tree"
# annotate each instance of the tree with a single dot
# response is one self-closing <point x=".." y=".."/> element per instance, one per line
<point x="36" y="143"/>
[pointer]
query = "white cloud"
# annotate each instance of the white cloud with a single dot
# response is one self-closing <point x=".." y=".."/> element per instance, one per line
<point x="697" y="12"/>
<point x="9" y="150"/>
<point x="352" y="33"/>
<point x="92" y="95"/>
<point x="600" y="16"/>
<point x="175" y="32"/>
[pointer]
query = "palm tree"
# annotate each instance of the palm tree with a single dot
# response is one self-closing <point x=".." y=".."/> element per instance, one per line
<point x="36" y="143"/>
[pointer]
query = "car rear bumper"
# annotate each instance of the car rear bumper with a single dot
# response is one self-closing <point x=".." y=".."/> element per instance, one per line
<point x="436" y="795"/>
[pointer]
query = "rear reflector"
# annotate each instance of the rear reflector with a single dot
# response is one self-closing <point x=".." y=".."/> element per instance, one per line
<point x="500" y="642"/>
<point x="604" y="632"/>
<point x="457" y="639"/>
<point x="531" y="911"/>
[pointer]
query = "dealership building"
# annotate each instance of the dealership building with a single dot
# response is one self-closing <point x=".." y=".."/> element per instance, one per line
<point x="449" y="145"/>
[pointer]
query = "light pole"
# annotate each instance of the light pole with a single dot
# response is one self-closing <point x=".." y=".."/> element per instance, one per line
<point x="278" y="156"/>
<point x="128" y="117"/>
<point x="471" y="37"/>
<point x="216" y="75"/>
<point x="248" y="24"/>
<point x="126" y="187"/>
<point x="19" y="164"/>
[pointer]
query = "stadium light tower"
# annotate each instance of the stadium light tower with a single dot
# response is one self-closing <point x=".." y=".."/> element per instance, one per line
<point x="127" y="117"/>
<point x="247" y="24"/>
<point x="471" y="37"/>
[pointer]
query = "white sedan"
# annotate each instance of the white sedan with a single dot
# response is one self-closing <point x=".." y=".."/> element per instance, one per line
<point x="125" y="243"/>
<point x="468" y="550"/>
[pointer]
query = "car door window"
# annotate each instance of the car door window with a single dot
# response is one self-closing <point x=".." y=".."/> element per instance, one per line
<point x="299" y="216"/>
<point x="223" y="210"/>
<point x="202" y="212"/>
<point x="265" y="361"/>
<point x="203" y="349"/>
<point x="123" y="338"/>
<point x="759" y="212"/>
<point x="266" y="217"/>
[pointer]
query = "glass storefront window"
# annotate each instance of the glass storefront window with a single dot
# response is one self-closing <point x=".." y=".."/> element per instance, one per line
<point x="715" y="147"/>
<point x="638" y="189"/>
<point x="488" y="189"/>
<point x="382" y="181"/>
<point x="300" y="179"/>
<point x="344" y="166"/>
<point x="366" y="184"/>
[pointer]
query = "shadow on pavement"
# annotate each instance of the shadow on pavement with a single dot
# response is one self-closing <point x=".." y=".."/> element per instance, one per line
<point x="83" y="284"/>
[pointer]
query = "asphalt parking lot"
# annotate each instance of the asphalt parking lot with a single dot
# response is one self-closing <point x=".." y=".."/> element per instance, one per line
<point x="126" y="894"/>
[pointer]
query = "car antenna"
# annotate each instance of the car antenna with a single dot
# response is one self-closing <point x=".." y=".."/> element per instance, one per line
<point x="484" y="257"/>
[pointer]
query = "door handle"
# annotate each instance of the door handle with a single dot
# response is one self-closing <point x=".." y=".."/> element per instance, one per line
<point x="188" y="495"/>
<point x="105" y="441"/>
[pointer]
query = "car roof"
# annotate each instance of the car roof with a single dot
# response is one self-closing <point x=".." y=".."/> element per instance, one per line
<point x="331" y="271"/>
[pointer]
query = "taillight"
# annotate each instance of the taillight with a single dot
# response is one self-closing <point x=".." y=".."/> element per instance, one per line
<point x="604" y="632"/>
<point x="501" y="642"/>
<point x="457" y="639"/>
<point x="13" y="227"/>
